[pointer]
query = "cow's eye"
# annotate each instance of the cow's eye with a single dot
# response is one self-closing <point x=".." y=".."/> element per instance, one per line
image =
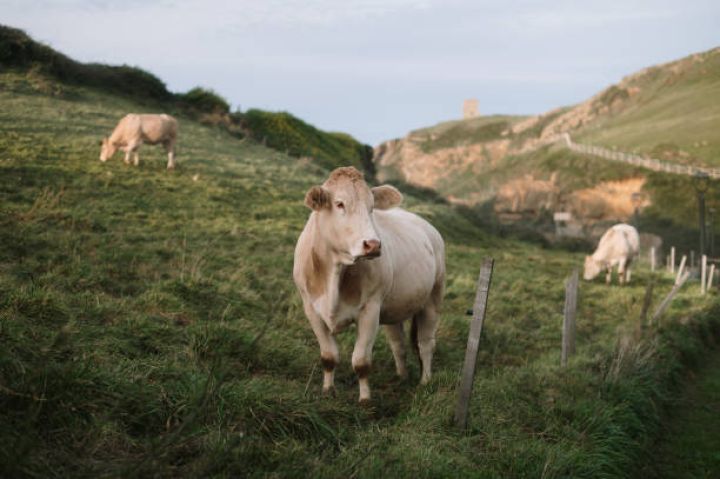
<point x="340" y="205"/>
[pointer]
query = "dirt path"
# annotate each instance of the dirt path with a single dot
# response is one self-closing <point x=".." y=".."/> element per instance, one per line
<point x="691" y="447"/>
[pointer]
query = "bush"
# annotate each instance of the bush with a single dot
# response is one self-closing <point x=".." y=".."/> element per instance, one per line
<point x="287" y="133"/>
<point x="202" y="100"/>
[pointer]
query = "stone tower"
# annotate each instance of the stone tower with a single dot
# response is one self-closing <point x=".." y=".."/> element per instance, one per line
<point x="470" y="108"/>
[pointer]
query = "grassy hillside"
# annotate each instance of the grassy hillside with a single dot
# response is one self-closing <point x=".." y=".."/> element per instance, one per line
<point x="51" y="72"/>
<point x="149" y="326"/>
<point x="668" y="111"/>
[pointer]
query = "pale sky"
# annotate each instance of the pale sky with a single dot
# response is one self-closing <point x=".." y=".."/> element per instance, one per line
<point x="377" y="68"/>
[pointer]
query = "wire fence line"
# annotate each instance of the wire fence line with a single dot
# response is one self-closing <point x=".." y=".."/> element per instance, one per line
<point x="649" y="163"/>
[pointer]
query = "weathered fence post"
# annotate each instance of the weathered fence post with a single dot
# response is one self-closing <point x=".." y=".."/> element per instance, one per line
<point x="568" y="336"/>
<point x="703" y="274"/>
<point x="652" y="259"/>
<point x="646" y="302"/>
<point x="666" y="302"/>
<point x="711" y="273"/>
<point x="471" y="353"/>
<point x="672" y="260"/>
<point x="681" y="269"/>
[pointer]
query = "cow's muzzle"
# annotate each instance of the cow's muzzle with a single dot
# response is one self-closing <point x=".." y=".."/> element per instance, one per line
<point x="371" y="248"/>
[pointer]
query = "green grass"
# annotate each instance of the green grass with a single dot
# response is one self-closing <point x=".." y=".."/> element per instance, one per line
<point x="690" y="447"/>
<point x="149" y="326"/>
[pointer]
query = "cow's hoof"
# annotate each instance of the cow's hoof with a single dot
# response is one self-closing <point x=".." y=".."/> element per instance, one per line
<point x="365" y="403"/>
<point x="329" y="392"/>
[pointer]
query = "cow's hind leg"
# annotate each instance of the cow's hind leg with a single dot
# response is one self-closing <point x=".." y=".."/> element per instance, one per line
<point x="170" y="148"/>
<point x="628" y="270"/>
<point x="424" y="327"/>
<point x="621" y="271"/>
<point x="396" y="338"/>
<point x="329" y="354"/>
<point x="368" y="324"/>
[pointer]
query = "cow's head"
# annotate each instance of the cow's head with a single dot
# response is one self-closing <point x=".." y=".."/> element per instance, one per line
<point x="344" y="205"/>
<point x="107" y="149"/>
<point x="591" y="269"/>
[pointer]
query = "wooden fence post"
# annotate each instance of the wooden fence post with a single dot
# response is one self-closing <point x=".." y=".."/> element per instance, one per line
<point x="646" y="302"/>
<point x="672" y="260"/>
<point x="652" y="259"/>
<point x="711" y="273"/>
<point x="666" y="302"/>
<point x="471" y="353"/>
<point x="681" y="269"/>
<point x="703" y="274"/>
<point x="568" y="336"/>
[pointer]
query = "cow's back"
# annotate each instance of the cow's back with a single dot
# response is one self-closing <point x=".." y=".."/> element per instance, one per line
<point x="415" y="255"/>
<point x="619" y="241"/>
<point x="157" y="128"/>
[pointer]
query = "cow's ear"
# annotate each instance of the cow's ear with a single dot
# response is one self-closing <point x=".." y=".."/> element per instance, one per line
<point x="386" y="197"/>
<point x="317" y="198"/>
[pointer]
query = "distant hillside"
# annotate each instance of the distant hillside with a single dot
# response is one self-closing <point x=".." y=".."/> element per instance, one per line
<point x="46" y="68"/>
<point x="514" y="167"/>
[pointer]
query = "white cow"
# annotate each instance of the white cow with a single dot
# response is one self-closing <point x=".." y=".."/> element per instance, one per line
<point x="360" y="259"/>
<point x="618" y="246"/>
<point x="134" y="130"/>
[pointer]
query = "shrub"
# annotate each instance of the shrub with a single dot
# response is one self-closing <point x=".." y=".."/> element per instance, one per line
<point x="204" y="100"/>
<point x="287" y="133"/>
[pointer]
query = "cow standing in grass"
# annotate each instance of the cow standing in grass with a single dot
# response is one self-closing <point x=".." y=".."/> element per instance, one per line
<point x="361" y="259"/>
<point x="134" y="130"/>
<point x="618" y="246"/>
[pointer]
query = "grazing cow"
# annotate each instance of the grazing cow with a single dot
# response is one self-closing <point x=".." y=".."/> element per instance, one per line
<point x="360" y="259"/>
<point x="618" y="246"/>
<point x="134" y="130"/>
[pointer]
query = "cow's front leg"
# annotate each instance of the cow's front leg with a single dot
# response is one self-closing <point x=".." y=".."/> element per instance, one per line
<point x="136" y="158"/>
<point x="329" y="354"/>
<point x="368" y="323"/>
<point x="608" y="275"/>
